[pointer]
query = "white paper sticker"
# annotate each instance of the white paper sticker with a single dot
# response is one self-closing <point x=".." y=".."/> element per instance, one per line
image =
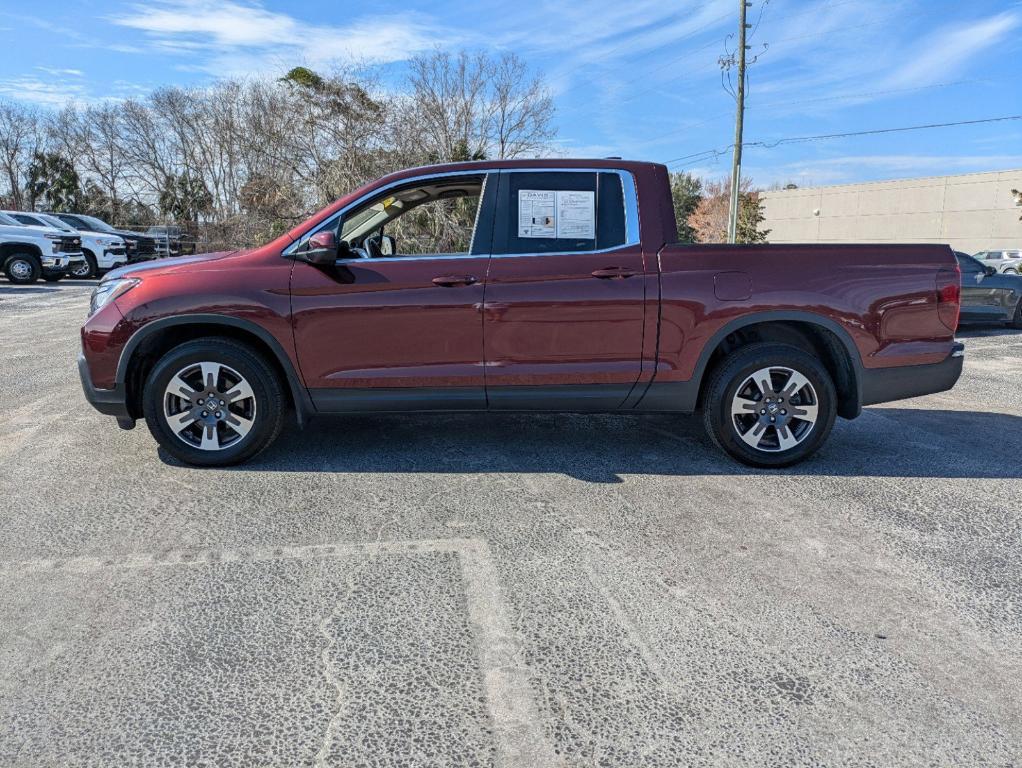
<point x="557" y="214"/>
<point x="536" y="213"/>
<point x="576" y="215"/>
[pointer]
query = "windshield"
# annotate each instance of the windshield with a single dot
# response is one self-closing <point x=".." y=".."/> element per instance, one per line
<point x="5" y="219"/>
<point x="53" y="221"/>
<point x="95" y="224"/>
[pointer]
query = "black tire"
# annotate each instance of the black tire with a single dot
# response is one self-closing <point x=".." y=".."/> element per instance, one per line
<point x="88" y="270"/>
<point x="53" y="278"/>
<point x="22" y="268"/>
<point x="735" y="371"/>
<point x="268" y="396"/>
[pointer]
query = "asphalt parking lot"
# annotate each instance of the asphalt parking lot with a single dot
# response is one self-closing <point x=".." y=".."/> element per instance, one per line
<point x="509" y="590"/>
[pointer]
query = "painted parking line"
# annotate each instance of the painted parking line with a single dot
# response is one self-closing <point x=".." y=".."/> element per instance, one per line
<point x="518" y="737"/>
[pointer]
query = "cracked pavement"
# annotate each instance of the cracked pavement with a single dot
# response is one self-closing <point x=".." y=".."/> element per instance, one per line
<point x="506" y="590"/>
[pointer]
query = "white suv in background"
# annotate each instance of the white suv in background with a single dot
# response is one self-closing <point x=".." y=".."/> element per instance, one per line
<point x="102" y="250"/>
<point x="1008" y="261"/>
<point x="28" y="253"/>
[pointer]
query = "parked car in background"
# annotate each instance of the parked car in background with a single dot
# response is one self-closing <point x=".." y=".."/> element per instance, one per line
<point x="138" y="247"/>
<point x="1008" y="260"/>
<point x="560" y="287"/>
<point x="28" y="253"/>
<point x="172" y="240"/>
<point x="989" y="296"/>
<point x="102" y="252"/>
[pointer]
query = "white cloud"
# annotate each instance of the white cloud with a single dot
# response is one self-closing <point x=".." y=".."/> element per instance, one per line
<point x="947" y="51"/>
<point x="61" y="72"/>
<point x="236" y="38"/>
<point x="42" y="92"/>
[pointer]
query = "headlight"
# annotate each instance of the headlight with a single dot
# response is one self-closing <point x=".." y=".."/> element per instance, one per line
<point x="108" y="290"/>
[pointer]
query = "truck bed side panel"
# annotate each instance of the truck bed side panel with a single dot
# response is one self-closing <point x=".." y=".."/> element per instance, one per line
<point x="881" y="297"/>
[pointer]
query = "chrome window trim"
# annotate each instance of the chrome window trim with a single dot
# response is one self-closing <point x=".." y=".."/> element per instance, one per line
<point x="332" y="220"/>
<point x="629" y="196"/>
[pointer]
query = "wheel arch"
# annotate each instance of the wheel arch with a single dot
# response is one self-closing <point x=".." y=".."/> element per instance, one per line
<point x="815" y="333"/>
<point x="9" y="249"/>
<point x="153" y="340"/>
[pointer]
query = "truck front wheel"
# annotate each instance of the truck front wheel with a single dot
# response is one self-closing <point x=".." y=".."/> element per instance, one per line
<point x="769" y="405"/>
<point x="213" y="402"/>
<point x="22" y="269"/>
<point x="87" y="270"/>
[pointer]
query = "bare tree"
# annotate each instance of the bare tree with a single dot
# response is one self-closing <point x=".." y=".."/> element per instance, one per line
<point x="247" y="159"/>
<point x="20" y="139"/>
<point x="471" y="106"/>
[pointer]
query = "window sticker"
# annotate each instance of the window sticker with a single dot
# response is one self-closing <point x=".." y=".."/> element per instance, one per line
<point x="576" y="215"/>
<point x="536" y="210"/>
<point x="556" y="214"/>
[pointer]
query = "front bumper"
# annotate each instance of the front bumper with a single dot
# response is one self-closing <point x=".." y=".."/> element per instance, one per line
<point x="115" y="257"/>
<point x="884" y="385"/>
<point x="112" y="402"/>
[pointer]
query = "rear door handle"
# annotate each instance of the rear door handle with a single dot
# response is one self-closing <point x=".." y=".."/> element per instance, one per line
<point x="608" y="273"/>
<point x="449" y="281"/>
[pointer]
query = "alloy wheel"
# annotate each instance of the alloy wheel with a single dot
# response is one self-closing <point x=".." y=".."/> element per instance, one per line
<point x="774" y="409"/>
<point x="81" y="271"/>
<point x="20" y="269"/>
<point x="209" y="406"/>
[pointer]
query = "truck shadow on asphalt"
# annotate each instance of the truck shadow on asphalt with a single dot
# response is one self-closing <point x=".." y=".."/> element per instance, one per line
<point x="883" y="442"/>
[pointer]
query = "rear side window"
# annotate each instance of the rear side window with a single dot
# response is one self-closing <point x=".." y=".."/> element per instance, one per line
<point x="559" y="212"/>
<point x="28" y="220"/>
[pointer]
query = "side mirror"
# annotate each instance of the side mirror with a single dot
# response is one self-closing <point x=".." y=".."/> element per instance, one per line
<point x="388" y="246"/>
<point x="321" y="249"/>
<point x="991" y="271"/>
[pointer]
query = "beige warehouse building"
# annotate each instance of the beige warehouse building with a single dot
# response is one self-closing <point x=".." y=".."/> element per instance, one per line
<point x="971" y="212"/>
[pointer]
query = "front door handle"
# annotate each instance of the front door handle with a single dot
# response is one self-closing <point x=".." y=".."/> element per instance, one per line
<point x="609" y="273"/>
<point x="449" y="281"/>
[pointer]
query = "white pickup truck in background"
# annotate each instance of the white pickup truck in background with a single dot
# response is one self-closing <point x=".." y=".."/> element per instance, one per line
<point x="102" y="250"/>
<point x="28" y="253"/>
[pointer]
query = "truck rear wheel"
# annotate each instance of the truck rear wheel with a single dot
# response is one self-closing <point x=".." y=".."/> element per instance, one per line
<point x="769" y="405"/>
<point x="22" y="268"/>
<point x="213" y="402"/>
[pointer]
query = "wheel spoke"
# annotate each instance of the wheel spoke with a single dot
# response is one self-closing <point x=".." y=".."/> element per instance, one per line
<point x="785" y="439"/>
<point x="210" y="374"/>
<point x="743" y="406"/>
<point x="240" y="391"/>
<point x="179" y="422"/>
<point x="795" y="382"/>
<point x="181" y="388"/>
<point x="805" y="412"/>
<point x="239" y="424"/>
<point x="763" y="381"/>
<point x="753" y="435"/>
<point x="210" y="439"/>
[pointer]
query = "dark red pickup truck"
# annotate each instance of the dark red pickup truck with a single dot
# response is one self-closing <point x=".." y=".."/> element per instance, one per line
<point x="538" y="285"/>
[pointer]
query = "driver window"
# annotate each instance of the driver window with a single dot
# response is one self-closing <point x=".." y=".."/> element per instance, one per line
<point x="428" y="217"/>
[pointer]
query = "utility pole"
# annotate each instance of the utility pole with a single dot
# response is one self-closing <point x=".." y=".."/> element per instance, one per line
<point x="736" y="162"/>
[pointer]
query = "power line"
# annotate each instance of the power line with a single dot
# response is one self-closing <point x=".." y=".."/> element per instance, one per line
<point x="711" y="65"/>
<point x="827" y="136"/>
<point x="798" y="139"/>
<point x="843" y="97"/>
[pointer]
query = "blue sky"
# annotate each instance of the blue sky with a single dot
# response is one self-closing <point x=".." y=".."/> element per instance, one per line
<point x="638" y="79"/>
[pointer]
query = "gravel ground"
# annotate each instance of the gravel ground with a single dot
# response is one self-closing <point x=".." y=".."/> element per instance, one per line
<point x="506" y="590"/>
